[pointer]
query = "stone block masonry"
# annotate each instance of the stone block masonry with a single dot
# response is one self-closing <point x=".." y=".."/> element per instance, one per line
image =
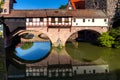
<point x="108" y="6"/>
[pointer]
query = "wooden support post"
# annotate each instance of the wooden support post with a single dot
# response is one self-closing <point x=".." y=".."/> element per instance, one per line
<point x="71" y="24"/>
<point x="47" y="24"/>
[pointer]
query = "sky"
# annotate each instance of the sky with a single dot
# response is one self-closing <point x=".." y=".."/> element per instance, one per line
<point x="39" y="4"/>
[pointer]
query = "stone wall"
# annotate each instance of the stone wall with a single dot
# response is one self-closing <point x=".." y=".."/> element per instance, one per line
<point x="107" y="6"/>
<point x="3" y="72"/>
<point x="111" y="7"/>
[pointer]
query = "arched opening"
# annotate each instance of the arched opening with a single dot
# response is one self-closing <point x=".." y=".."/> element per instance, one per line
<point x="27" y="36"/>
<point x="88" y="36"/>
<point x="43" y="36"/>
<point x="84" y="36"/>
<point x="79" y="46"/>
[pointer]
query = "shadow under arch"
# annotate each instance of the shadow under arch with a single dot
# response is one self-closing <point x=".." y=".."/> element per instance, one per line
<point x="34" y="34"/>
<point x="85" y="35"/>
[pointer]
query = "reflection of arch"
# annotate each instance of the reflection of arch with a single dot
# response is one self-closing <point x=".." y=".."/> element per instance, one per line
<point x="84" y="52"/>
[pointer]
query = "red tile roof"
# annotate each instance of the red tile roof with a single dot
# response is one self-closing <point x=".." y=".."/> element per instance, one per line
<point x="89" y="13"/>
<point x="78" y="3"/>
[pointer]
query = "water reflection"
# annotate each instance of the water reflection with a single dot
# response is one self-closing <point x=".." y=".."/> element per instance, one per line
<point x="84" y="61"/>
<point x="87" y="52"/>
<point x="33" y="51"/>
<point x="84" y="52"/>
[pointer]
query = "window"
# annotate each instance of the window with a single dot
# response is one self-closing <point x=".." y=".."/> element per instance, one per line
<point x="59" y="20"/>
<point x="74" y="20"/>
<point x="30" y="19"/>
<point x="66" y="20"/>
<point x="94" y="71"/>
<point x="105" y="20"/>
<point x="83" y="20"/>
<point x="5" y="10"/>
<point x="52" y="20"/>
<point x="96" y="4"/>
<point x="76" y="23"/>
<point x="84" y="71"/>
<point x="106" y="70"/>
<point x="93" y="20"/>
<point x="88" y="20"/>
<point x="41" y="19"/>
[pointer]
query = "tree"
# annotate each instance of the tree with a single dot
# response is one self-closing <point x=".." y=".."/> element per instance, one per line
<point x="106" y="40"/>
<point x="1" y="3"/>
<point x="63" y="7"/>
<point x="117" y="42"/>
<point x="116" y="34"/>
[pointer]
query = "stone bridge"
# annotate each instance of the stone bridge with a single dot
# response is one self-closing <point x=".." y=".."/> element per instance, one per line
<point x="59" y="37"/>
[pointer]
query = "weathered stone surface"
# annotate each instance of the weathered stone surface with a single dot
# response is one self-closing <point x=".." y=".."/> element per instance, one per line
<point x="3" y="73"/>
<point x="108" y="6"/>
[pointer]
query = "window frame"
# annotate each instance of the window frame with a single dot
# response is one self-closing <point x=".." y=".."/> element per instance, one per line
<point x="30" y="20"/>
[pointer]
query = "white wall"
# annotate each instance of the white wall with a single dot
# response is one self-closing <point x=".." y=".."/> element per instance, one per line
<point x="88" y="22"/>
<point x="78" y="22"/>
<point x="89" y="69"/>
<point x="57" y="23"/>
<point x="36" y="22"/>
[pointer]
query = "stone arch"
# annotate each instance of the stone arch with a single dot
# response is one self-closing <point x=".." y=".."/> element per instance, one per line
<point x="35" y="33"/>
<point x="74" y="32"/>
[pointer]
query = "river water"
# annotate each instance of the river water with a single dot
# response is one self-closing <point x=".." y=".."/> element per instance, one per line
<point x="87" y="51"/>
<point x="42" y="54"/>
<point x="77" y="53"/>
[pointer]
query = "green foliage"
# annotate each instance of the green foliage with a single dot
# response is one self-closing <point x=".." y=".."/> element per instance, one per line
<point x="117" y="44"/>
<point x="63" y="7"/>
<point x="26" y="46"/>
<point x="106" y="40"/>
<point x="1" y="33"/>
<point x="1" y="3"/>
<point x="116" y="34"/>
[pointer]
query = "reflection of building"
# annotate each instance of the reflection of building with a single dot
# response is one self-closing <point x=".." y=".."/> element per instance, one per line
<point x="69" y="21"/>
<point x="66" y="70"/>
<point x="60" y="70"/>
<point x="58" y="65"/>
<point x="90" y="69"/>
<point x="1" y="28"/>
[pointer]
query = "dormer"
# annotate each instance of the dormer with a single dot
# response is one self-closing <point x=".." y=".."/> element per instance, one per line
<point x="76" y="4"/>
